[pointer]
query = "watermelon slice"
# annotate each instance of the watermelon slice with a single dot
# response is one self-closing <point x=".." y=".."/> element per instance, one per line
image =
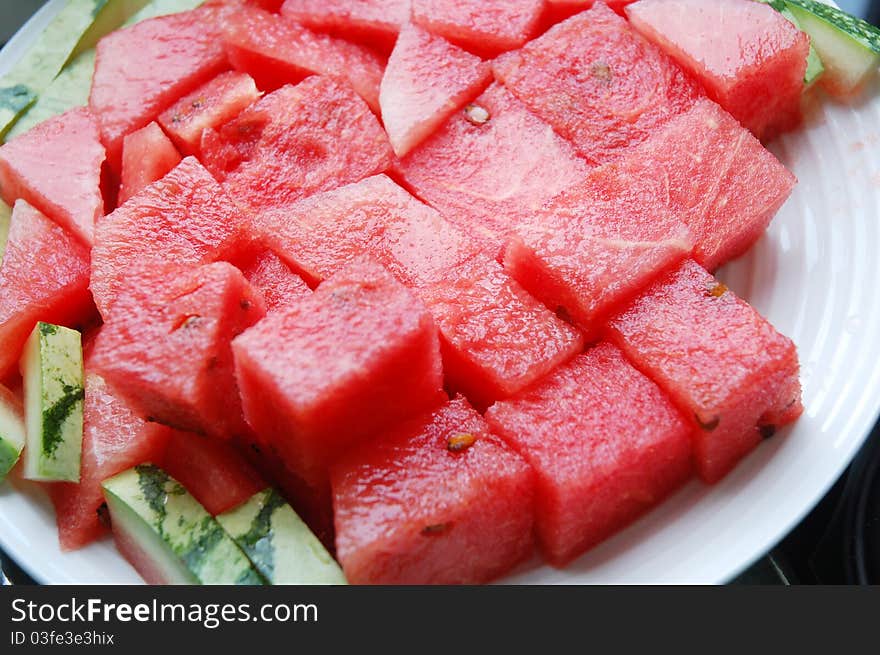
<point x="710" y="172"/>
<point x="270" y="276"/>
<point x="732" y="374"/>
<point x="496" y="338"/>
<point x="211" y="105"/>
<point x="184" y="218"/>
<point x="427" y="79"/>
<point x="147" y="155"/>
<point x="175" y="55"/>
<point x="114" y="439"/>
<point x="374" y="217"/>
<point x="37" y="166"/>
<point x="294" y="142"/>
<point x="213" y="471"/>
<point x="748" y="56"/>
<point x="374" y="22"/>
<point x="440" y="500"/>
<point x="597" y="82"/>
<point x="490" y="165"/>
<point x="607" y="445"/>
<point x="313" y="374"/>
<point x="485" y="27"/>
<point x="167" y="348"/>
<point x="277" y="51"/>
<point x="44" y="276"/>
<point x="587" y="254"/>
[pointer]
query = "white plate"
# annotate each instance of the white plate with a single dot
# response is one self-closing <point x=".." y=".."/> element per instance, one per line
<point x="815" y="275"/>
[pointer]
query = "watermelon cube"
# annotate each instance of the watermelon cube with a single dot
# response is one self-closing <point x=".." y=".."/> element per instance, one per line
<point x="490" y="165"/>
<point x="212" y="104"/>
<point x="606" y="444"/>
<point x="748" y="56"/>
<point x="496" y="339"/>
<point x="337" y="367"/>
<point x="716" y="177"/>
<point x="38" y="167"/>
<point x="166" y="349"/>
<point x="44" y="276"/>
<point x="274" y="280"/>
<point x="439" y="500"/>
<point x="294" y="142"/>
<point x="147" y="155"/>
<point x="213" y="471"/>
<point x="277" y="51"/>
<point x="374" y="22"/>
<point x="427" y="79"/>
<point x="184" y="218"/>
<point x="587" y="254"/>
<point x="732" y="374"/>
<point x="597" y="82"/>
<point x="114" y="439"/>
<point x="561" y="9"/>
<point x="486" y="27"/>
<point x="176" y="54"/>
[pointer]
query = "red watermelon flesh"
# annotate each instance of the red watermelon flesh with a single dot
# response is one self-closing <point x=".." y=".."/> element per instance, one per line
<point x="277" y="51"/>
<point x="587" y="254"/>
<point x="427" y="79"/>
<point x="496" y="338"/>
<point x="313" y="374"/>
<point x="597" y="82"/>
<point x="44" y="276"/>
<point x="294" y="142"/>
<point x="373" y="22"/>
<point x="212" y="104"/>
<point x="174" y="55"/>
<point x="485" y="175"/>
<point x="167" y="348"/>
<point x="114" y="439"/>
<point x="710" y="172"/>
<point x="485" y="27"/>
<point x="271" y="277"/>
<point x="606" y="444"/>
<point x="147" y="155"/>
<point x="440" y="500"/>
<point x="37" y="166"/>
<point x="374" y="217"/>
<point x="184" y="218"/>
<point x="747" y="55"/>
<point x="561" y="9"/>
<point x="732" y="374"/>
<point x="213" y="471"/>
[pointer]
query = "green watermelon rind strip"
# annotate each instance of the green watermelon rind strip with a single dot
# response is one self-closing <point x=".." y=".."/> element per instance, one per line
<point x="854" y="27"/>
<point x="5" y="216"/>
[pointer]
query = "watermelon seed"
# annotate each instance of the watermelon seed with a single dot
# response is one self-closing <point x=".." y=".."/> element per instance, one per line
<point x="245" y="304"/>
<point x="718" y="290"/>
<point x="767" y="431"/>
<point x="436" y="529"/>
<point x="103" y="515"/>
<point x="601" y="71"/>
<point x="460" y="442"/>
<point x="708" y="426"/>
<point x="476" y="114"/>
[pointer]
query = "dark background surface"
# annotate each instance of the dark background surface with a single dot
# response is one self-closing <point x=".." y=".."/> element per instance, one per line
<point x="838" y="543"/>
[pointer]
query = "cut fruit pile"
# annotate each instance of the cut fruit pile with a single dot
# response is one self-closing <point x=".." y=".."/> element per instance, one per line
<point x="419" y="285"/>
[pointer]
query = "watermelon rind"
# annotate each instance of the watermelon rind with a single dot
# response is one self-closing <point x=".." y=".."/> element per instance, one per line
<point x="173" y="530"/>
<point x="5" y="217"/>
<point x="52" y="371"/>
<point x="71" y="86"/>
<point x="849" y="47"/>
<point x="74" y="29"/>
<point x="278" y="543"/>
<point x="12" y="434"/>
